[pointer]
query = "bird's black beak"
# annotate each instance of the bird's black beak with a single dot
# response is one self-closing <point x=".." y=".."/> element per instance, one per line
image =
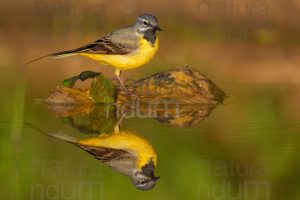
<point x="157" y="28"/>
<point x="156" y="178"/>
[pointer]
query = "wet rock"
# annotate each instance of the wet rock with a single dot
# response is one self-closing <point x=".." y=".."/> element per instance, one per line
<point x="182" y="85"/>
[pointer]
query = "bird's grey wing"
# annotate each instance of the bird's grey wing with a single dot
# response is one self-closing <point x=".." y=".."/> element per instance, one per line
<point x="106" y="154"/>
<point x="120" y="42"/>
<point x="119" y="160"/>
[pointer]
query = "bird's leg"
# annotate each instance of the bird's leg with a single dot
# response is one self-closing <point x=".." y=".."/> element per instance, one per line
<point x="118" y="74"/>
<point x="118" y="124"/>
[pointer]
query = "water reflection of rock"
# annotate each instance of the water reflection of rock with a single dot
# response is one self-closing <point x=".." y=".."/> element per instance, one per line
<point x="185" y="115"/>
<point x="97" y="119"/>
<point x="102" y="118"/>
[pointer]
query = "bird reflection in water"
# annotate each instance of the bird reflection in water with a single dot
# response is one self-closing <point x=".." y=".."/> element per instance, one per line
<point x="123" y="151"/>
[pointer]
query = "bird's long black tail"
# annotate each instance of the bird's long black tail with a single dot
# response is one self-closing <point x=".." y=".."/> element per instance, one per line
<point x="57" y="135"/>
<point x="60" y="54"/>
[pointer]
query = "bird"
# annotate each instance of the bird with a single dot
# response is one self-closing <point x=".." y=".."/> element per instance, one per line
<point x="124" y="49"/>
<point x="123" y="151"/>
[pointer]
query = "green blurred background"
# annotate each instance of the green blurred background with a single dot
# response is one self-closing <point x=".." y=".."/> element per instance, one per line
<point x="246" y="149"/>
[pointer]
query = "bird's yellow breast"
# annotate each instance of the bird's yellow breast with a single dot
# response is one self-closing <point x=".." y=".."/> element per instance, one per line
<point x="125" y="141"/>
<point x="136" y="59"/>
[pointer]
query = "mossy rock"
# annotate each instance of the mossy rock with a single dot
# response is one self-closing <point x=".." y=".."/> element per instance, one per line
<point x="184" y="85"/>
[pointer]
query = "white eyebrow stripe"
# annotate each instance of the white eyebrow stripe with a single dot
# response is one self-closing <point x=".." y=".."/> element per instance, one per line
<point x="141" y="19"/>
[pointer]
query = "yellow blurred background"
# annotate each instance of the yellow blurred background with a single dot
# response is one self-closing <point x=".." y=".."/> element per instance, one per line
<point x="241" y="40"/>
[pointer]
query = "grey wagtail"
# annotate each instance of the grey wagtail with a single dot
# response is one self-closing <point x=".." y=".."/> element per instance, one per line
<point x="122" y="151"/>
<point x="124" y="49"/>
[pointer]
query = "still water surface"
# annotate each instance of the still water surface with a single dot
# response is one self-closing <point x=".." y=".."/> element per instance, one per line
<point x="245" y="148"/>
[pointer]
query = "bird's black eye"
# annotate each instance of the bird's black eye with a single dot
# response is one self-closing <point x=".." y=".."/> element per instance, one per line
<point x="143" y="182"/>
<point x="145" y="23"/>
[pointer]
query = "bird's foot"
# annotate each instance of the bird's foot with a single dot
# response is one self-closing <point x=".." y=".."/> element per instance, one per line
<point x="130" y="93"/>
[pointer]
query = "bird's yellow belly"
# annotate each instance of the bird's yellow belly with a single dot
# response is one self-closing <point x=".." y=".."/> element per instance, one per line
<point x="129" y="61"/>
<point x="125" y="141"/>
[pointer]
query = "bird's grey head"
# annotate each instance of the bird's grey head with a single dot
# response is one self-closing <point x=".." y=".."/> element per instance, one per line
<point x="147" y="25"/>
<point x="145" y="179"/>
